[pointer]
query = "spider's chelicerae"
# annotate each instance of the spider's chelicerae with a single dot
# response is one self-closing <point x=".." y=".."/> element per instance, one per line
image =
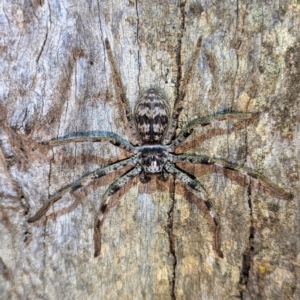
<point x="153" y="128"/>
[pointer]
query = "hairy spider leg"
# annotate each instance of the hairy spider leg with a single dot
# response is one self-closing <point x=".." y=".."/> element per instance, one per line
<point x="198" y="189"/>
<point x="92" y="136"/>
<point x="98" y="173"/>
<point x="203" y="121"/>
<point x="106" y="204"/>
<point x="203" y="159"/>
<point x="179" y="98"/>
<point x="121" y="91"/>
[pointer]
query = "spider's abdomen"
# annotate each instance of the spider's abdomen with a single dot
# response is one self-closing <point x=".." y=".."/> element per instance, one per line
<point x="152" y="115"/>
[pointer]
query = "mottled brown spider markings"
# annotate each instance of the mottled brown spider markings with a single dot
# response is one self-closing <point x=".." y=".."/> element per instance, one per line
<point x="152" y="114"/>
<point x="153" y="128"/>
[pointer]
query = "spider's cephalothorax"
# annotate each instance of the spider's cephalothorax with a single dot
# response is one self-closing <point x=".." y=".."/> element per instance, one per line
<point x="153" y="129"/>
<point x="152" y="114"/>
<point x="152" y="158"/>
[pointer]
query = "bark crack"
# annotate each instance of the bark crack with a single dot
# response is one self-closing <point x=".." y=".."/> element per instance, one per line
<point x="247" y="255"/>
<point x="172" y="191"/>
<point x="237" y="54"/>
<point x="246" y="259"/>
<point x="178" y="54"/>
<point x="45" y="224"/>
<point x="24" y="118"/>
<point x="50" y="173"/>
<point x="171" y="240"/>
<point x="43" y="46"/>
<point x="137" y="39"/>
<point x="104" y="48"/>
<point x="44" y="258"/>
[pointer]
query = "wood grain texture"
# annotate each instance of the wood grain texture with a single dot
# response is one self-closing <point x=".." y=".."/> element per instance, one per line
<point x="56" y="79"/>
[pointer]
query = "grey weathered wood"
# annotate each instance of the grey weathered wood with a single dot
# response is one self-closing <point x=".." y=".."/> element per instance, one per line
<point x="156" y="244"/>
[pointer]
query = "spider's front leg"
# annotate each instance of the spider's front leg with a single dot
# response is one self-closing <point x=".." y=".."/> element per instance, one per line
<point x="179" y="98"/>
<point x="124" y="103"/>
<point x="98" y="173"/>
<point x="106" y="204"/>
<point x="203" y="121"/>
<point x="206" y="160"/>
<point x="198" y="189"/>
<point x="181" y="84"/>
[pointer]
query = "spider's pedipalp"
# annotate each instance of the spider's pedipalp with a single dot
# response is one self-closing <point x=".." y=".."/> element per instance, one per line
<point x="164" y="175"/>
<point x="179" y="99"/>
<point x="92" y="136"/>
<point x="203" y="121"/>
<point x="206" y="160"/>
<point x="98" y="173"/>
<point x="144" y="178"/>
<point x="123" y="104"/>
<point x="197" y="188"/>
<point x="106" y="205"/>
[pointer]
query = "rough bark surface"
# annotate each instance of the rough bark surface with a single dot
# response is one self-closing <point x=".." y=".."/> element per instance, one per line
<point x="156" y="243"/>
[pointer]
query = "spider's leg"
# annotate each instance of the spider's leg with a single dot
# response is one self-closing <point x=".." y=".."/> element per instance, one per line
<point x="179" y="99"/>
<point x="92" y="136"/>
<point x="197" y="188"/>
<point x="120" y="89"/>
<point x="80" y="182"/>
<point x="203" y="159"/>
<point x="188" y="129"/>
<point x="106" y="204"/>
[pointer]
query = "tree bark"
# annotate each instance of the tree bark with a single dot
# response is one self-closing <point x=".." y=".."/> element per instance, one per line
<point x="156" y="241"/>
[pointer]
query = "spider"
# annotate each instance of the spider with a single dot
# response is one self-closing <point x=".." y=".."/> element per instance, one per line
<point x="153" y="128"/>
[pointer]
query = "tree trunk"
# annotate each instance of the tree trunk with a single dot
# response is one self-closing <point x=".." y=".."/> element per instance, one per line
<point x="157" y="243"/>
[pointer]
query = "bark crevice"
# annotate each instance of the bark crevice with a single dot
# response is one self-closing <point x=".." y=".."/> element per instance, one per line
<point x="172" y="250"/>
